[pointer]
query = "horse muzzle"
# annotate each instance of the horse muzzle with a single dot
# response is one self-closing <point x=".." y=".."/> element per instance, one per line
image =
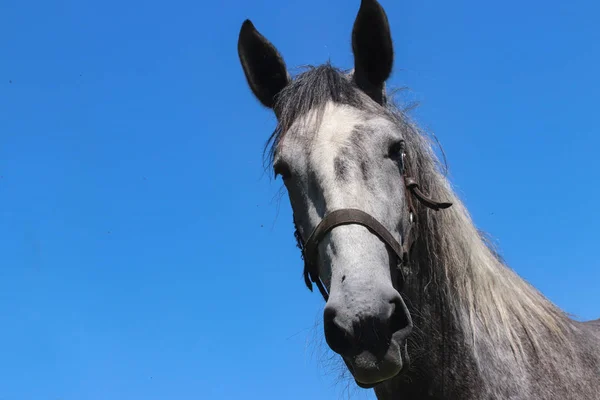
<point x="372" y="339"/>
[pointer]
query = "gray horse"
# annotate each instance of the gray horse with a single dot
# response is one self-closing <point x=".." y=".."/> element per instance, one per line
<point x="419" y="305"/>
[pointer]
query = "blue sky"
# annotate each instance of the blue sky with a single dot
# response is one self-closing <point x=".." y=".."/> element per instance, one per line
<point x="145" y="254"/>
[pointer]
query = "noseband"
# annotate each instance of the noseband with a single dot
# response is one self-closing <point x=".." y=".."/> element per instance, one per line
<point x="350" y="216"/>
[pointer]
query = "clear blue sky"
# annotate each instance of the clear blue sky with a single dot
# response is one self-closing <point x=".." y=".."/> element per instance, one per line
<point x="144" y="254"/>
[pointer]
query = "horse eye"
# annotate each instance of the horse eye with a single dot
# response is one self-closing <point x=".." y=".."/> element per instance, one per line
<point x="396" y="150"/>
<point x="282" y="169"/>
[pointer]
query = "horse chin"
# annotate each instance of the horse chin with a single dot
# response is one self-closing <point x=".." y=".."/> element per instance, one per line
<point x="368" y="371"/>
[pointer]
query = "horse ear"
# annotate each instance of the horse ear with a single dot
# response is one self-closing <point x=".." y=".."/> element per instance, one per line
<point x="263" y="66"/>
<point x="373" y="49"/>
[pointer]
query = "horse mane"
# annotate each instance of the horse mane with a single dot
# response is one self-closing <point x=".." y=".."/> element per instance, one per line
<point x="498" y="311"/>
<point x="489" y="301"/>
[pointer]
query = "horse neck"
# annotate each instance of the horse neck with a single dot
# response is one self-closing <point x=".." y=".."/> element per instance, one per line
<point x="442" y="365"/>
<point x="480" y="330"/>
<point x="447" y="365"/>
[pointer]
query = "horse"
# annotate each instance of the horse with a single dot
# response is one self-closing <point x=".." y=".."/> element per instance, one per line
<point x="419" y="304"/>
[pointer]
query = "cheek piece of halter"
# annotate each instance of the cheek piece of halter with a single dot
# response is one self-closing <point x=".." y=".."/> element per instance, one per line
<point x="347" y="216"/>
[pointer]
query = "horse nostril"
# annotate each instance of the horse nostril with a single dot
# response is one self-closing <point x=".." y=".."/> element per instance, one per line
<point x="338" y="337"/>
<point x="400" y="322"/>
<point x="349" y="332"/>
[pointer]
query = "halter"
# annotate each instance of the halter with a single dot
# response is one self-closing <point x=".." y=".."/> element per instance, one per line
<point x="351" y="216"/>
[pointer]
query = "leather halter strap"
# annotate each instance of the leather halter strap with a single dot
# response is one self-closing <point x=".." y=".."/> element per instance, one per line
<point x="413" y="186"/>
<point x="347" y="216"/>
